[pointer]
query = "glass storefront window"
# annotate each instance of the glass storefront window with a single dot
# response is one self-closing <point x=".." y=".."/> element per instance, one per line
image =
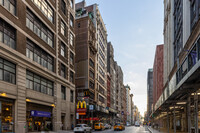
<point x="6" y="117"/>
<point x="38" y="118"/>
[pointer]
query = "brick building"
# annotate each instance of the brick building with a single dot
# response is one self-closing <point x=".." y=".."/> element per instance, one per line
<point x="158" y="73"/>
<point x="98" y="74"/>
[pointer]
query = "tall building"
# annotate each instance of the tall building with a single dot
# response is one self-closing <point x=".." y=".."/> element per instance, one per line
<point x="178" y="104"/>
<point x="124" y="105"/>
<point x="112" y="73"/>
<point x="132" y="110"/>
<point x="158" y="73"/>
<point x="96" y="76"/>
<point x="128" y="103"/>
<point x="119" y="88"/>
<point x="149" y="94"/>
<point x="85" y="63"/>
<point x="36" y="65"/>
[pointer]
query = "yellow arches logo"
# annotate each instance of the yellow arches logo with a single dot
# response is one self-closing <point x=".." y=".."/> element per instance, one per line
<point x="81" y="105"/>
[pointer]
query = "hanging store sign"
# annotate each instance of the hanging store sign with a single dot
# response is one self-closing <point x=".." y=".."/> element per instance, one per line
<point x="77" y="115"/>
<point x="81" y="107"/>
<point x="91" y="107"/>
<point x="40" y="113"/>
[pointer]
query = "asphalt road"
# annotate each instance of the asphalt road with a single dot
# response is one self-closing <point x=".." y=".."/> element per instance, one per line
<point x="131" y="129"/>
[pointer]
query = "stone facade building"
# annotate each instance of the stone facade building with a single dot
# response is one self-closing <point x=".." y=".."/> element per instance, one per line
<point x="37" y="65"/>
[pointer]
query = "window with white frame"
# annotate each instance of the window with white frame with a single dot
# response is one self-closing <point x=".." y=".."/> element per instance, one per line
<point x="63" y="28"/>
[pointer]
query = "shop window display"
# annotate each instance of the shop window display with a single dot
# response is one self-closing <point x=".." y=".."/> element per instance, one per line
<point x="39" y="118"/>
<point x="6" y="117"/>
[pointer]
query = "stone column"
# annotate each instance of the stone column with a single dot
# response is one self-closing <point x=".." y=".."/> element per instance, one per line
<point x="21" y="100"/>
<point x="188" y="114"/>
<point x="57" y="109"/>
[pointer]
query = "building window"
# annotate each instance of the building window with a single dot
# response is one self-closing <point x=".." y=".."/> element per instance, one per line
<point x="7" y="71"/>
<point x="101" y="54"/>
<point x="63" y="71"/>
<point x="38" y="55"/>
<point x="38" y="83"/>
<point x="101" y="99"/>
<point x="34" y="24"/>
<point x="101" y="45"/>
<point x="7" y="34"/>
<point x="45" y="8"/>
<point x="72" y="4"/>
<point x="63" y="28"/>
<point x="71" y="58"/>
<point x="7" y="115"/>
<point x="101" y="72"/>
<point x="71" y="77"/>
<point x="63" y="92"/>
<point x="91" y="84"/>
<point x="10" y="5"/>
<point x="91" y="63"/>
<point x="72" y="96"/>
<point x="101" y="63"/>
<point x="63" y="6"/>
<point x="178" y="27"/>
<point x="63" y="49"/>
<point x="101" y="81"/>
<point x="71" y="20"/>
<point x="91" y="74"/>
<point x="101" y="90"/>
<point x="71" y="39"/>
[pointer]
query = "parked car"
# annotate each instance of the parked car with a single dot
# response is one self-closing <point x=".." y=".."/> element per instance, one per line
<point x="107" y="126"/>
<point x="128" y="124"/>
<point x="137" y="124"/>
<point x="119" y="126"/>
<point x="99" y="126"/>
<point x="82" y="128"/>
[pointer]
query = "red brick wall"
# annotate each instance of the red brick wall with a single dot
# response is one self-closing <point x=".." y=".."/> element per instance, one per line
<point x="158" y="73"/>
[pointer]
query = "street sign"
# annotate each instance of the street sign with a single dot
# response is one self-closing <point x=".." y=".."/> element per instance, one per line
<point x="91" y="107"/>
<point x="77" y="115"/>
<point x="122" y="112"/>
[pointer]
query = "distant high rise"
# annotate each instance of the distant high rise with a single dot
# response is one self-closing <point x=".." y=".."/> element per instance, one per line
<point x="149" y="93"/>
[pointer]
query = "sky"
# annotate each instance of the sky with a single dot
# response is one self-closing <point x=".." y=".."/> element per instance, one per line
<point x="134" y="28"/>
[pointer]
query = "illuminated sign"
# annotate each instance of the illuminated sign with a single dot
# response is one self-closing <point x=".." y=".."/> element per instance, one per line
<point x="81" y="107"/>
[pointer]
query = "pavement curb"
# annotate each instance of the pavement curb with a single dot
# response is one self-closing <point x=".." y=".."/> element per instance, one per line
<point x="149" y="130"/>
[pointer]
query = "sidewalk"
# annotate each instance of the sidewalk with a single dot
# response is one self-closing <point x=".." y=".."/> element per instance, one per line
<point x="68" y="131"/>
<point x="152" y="130"/>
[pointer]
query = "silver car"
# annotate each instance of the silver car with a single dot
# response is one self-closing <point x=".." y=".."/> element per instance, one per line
<point x="82" y="128"/>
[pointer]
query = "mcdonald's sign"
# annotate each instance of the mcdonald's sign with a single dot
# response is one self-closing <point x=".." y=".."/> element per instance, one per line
<point x="81" y="107"/>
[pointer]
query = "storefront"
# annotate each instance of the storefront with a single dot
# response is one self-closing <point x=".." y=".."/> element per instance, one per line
<point x="6" y="115"/>
<point x="39" y="117"/>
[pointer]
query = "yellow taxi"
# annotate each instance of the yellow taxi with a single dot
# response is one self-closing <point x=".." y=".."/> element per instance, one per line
<point x="99" y="126"/>
<point x="119" y="126"/>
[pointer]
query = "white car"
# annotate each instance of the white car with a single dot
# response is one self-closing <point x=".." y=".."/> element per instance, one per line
<point x="107" y="126"/>
<point x="82" y="128"/>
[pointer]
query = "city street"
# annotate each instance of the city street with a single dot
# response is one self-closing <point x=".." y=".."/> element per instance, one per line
<point x="131" y="129"/>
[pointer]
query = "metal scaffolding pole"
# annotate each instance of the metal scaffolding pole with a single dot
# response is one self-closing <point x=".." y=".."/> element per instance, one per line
<point x="174" y="120"/>
<point x="188" y="115"/>
<point x="167" y="122"/>
<point x="196" y="112"/>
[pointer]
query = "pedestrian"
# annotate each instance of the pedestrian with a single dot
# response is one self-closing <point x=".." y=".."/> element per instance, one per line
<point x="72" y="126"/>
